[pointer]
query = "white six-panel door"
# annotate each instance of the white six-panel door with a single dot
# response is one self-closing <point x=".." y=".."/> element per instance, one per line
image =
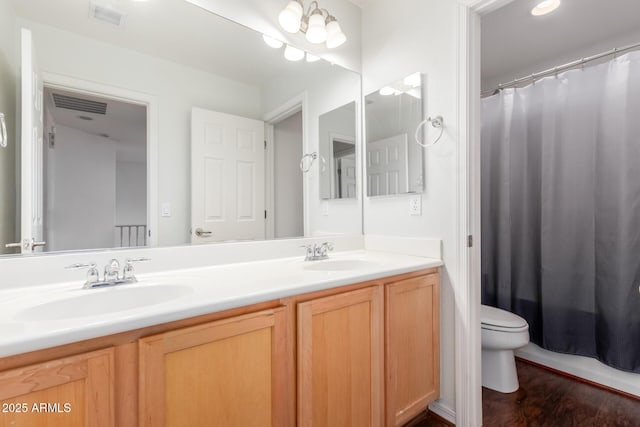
<point x="387" y="166"/>
<point x="31" y="150"/>
<point x="227" y="177"/>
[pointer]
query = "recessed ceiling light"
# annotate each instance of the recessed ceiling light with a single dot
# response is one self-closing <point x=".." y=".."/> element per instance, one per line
<point x="271" y="42"/>
<point x="387" y="90"/>
<point x="545" y="7"/>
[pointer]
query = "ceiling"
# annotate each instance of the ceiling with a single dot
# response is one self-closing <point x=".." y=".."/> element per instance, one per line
<point x="124" y="124"/>
<point x="175" y="30"/>
<point x="513" y="40"/>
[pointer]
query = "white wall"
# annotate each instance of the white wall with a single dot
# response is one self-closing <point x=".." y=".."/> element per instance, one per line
<point x="327" y="89"/>
<point x="400" y="38"/>
<point x="8" y="81"/>
<point x="262" y="16"/>
<point x="492" y="82"/>
<point x="81" y="191"/>
<point x="177" y="89"/>
<point x="288" y="198"/>
<point x="341" y="121"/>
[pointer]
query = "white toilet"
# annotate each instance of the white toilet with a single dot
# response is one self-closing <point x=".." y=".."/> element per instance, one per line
<point x="502" y="333"/>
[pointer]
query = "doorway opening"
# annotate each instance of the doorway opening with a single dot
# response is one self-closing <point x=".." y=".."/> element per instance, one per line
<point x="94" y="169"/>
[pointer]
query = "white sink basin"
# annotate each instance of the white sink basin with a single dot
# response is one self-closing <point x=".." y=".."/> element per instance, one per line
<point x="92" y="302"/>
<point x="339" y="265"/>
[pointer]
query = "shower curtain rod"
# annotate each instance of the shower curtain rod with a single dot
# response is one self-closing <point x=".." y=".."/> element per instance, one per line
<point x="558" y="69"/>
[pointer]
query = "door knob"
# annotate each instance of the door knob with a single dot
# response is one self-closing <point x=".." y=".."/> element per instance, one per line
<point x="203" y="233"/>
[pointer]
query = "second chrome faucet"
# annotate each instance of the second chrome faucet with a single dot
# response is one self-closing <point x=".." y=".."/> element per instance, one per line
<point x="318" y="252"/>
<point x="111" y="275"/>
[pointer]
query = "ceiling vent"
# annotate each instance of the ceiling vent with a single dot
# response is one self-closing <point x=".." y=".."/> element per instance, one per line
<point x="106" y="13"/>
<point x="79" y="104"/>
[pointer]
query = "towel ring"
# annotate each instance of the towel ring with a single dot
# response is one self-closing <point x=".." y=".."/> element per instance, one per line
<point x="314" y="156"/>
<point x="437" y="122"/>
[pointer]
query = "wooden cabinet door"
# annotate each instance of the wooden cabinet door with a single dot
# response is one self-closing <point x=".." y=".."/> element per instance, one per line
<point x="340" y="360"/>
<point x="75" y="391"/>
<point x="412" y="350"/>
<point x="225" y="373"/>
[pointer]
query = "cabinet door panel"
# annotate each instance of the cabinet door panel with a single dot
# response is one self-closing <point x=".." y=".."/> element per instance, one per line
<point x="74" y="391"/>
<point x="412" y="351"/>
<point x="227" y="373"/>
<point x="340" y="359"/>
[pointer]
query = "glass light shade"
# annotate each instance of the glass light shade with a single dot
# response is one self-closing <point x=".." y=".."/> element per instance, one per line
<point x="271" y="42"/>
<point x="387" y="90"/>
<point x="293" y="54"/>
<point x="412" y="80"/>
<point x="317" y="32"/>
<point x="335" y="36"/>
<point x="545" y="7"/>
<point x="291" y="17"/>
<point x="312" y="58"/>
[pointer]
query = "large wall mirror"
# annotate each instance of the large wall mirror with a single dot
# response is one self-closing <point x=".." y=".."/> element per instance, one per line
<point x="160" y="123"/>
<point x="394" y="160"/>
<point x="338" y="167"/>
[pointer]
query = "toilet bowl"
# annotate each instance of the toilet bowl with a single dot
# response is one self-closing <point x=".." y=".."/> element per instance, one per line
<point x="502" y="333"/>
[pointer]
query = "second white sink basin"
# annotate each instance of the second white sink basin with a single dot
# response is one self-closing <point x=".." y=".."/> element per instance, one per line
<point x="92" y="302"/>
<point x="339" y="265"/>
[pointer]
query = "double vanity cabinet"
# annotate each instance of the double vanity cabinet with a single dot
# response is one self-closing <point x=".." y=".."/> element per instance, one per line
<point x="365" y="354"/>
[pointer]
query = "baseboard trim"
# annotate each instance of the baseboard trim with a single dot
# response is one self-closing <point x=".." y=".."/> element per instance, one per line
<point x="443" y="411"/>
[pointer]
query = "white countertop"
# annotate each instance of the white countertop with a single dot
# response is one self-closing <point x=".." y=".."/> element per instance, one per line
<point x="210" y="289"/>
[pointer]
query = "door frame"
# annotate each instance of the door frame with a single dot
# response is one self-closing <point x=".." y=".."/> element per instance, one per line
<point x="345" y="139"/>
<point x="68" y="83"/>
<point x="296" y="104"/>
<point x="468" y="366"/>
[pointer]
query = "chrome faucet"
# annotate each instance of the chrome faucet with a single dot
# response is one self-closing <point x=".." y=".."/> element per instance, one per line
<point x="111" y="273"/>
<point x="318" y="252"/>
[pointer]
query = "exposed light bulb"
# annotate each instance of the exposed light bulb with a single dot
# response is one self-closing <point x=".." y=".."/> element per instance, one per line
<point x="291" y="16"/>
<point x="317" y="31"/>
<point x="335" y="36"/>
<point x="545" y="7"/>
<point x="312" y="58"/>
<point x="387" y="90"/>
<point x="412" y="80"/>
<point x="293" y="54"/>
<point x="271" y="42"/>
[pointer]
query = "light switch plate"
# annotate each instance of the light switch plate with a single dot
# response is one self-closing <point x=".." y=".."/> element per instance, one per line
<point x="415" y="205"/>
<point x="165" y="210"/>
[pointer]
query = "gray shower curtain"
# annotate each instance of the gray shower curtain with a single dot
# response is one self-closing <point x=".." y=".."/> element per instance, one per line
<point x="561" y="209"/>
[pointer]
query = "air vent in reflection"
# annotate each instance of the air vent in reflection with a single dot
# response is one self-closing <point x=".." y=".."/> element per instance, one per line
<point x="79" y="104"/>
<point x="106" y="13"/>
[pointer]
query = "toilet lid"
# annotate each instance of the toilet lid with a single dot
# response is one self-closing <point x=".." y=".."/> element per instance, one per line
<point x="501" y="318"/>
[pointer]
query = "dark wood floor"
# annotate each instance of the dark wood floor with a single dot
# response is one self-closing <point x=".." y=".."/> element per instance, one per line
<point x="546" y="399"/>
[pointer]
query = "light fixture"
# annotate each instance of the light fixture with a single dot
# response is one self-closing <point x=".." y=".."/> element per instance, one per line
<point x="412" y="80"/>
<point x="387" y="90"/>
<point x="312" y="58"/>
<point x="291" y="16"/>
<point x="545" y="7"/>
<point x="271" y="42"/>
<point x="317" y="24"/>
<point x="293" y="54"/>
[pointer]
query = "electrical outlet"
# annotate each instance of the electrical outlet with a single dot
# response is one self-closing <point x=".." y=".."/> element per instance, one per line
<point x="415" y="205"/>
<point x="325" y="208"/>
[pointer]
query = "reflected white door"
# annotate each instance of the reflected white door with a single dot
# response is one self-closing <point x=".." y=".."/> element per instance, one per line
<point x="32" y="150"/>
<point x="347" y="166"/>
<point x="387" y="166"/>
<point x="227" y="177"/>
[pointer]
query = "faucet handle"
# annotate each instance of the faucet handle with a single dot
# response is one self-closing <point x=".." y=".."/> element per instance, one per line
<point x="328" y="245"/>
<point x="93" y="276"/>
<point x="128" y="270"/>
<point x="310" y="251"/>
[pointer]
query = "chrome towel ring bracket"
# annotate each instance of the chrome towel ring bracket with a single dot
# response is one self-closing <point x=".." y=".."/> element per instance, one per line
<point x="436" y="122"/>
<point x="313" y="157"/>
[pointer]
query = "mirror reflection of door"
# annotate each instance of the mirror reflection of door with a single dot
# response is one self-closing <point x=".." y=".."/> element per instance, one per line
<point x="343" y="166"/>
<point x="95" y="169"/>
<point x="337" y="140"/>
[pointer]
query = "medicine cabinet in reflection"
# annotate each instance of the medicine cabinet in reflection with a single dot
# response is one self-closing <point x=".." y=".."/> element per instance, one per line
<point x="338" y="172"/>
<point x="394" y="161"/>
